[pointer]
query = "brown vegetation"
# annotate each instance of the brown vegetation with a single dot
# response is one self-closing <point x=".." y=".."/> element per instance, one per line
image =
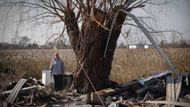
<point x="127" y="64"/>
<point x="131" y="64"/>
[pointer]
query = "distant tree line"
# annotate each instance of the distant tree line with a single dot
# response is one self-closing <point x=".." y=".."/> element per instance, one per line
<point x="179" y="44"/>
<point x="5" y="46"/>
<point x="24" y="43"/>
<point x="163" y="44"/>
<point x="59" y="44"/>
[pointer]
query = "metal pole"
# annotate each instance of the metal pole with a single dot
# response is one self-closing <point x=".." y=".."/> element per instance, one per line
<point x="147" y="34"/>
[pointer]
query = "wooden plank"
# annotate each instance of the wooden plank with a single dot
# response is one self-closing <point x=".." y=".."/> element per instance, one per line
<point x="13" y="92"/>
<point x="112" y="91"/>
<point x="170" y="92"/>
<point x="16" y="89"/>
<point x="23" y="89"/>
<point x="178" y="85"/>
<point x="187" y="79"/>
<point x="169" y="103"/>
<point x="172" y="89"/>
<point x="5" y="104"/>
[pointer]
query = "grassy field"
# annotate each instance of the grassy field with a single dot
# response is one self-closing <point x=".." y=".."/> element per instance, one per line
<point x="131" y="64"/>
<point x="127" y="64"/>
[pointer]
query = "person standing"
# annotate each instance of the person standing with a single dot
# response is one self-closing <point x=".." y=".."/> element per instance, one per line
<point x="57" y="71"/>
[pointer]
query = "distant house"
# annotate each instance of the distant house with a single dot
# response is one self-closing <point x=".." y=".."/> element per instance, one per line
<point x="140" y="46"/>
<point x="146" y="46"/>
<point x="132" y="46"/>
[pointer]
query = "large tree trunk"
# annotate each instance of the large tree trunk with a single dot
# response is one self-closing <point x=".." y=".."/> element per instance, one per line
<point x="89" y="45"/>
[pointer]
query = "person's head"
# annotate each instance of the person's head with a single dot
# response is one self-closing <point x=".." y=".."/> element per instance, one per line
<point x="56" y="55"/>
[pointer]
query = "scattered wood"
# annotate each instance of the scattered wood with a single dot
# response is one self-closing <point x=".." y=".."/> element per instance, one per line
<point x="14" y="93"/>
<point x="23" y="89"/>
<point x="170" y="103"/>
<point x="155" y="90"/>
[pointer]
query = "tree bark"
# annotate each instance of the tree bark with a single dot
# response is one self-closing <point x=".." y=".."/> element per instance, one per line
<point x="89" y="46"/>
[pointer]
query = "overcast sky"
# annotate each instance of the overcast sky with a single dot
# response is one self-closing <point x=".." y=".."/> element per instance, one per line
<point x="174" y="15"/>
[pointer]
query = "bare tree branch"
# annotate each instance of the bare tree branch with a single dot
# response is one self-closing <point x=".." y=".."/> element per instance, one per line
<point x="34" y="4"/>
<point x="56" y="34"/>
<point x="127" y="23"/>
<point x="82" y="5"/>
<point x="160" y="3"/>
<point x="151" y="30"/>
<point x="138" y="4"/>
<point x="60" y="34"/>
<point x="101" y="25"/>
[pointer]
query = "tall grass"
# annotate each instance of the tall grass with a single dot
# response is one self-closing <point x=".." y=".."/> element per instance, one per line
<point x="130" y="64"/>
<point x="127" y="64"/>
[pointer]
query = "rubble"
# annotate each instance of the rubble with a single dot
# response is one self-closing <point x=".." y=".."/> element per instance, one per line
<point x="31" y="92"/>
<point x="145" y="92"/>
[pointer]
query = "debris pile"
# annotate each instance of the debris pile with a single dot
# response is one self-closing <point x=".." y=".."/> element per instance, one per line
<point x="155" y="90"/>
<point x="31" y="92"/>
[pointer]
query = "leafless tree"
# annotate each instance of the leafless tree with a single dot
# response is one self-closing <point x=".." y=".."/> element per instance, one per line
<point x="93" y="27"/>
<point x="24" y="41"/>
